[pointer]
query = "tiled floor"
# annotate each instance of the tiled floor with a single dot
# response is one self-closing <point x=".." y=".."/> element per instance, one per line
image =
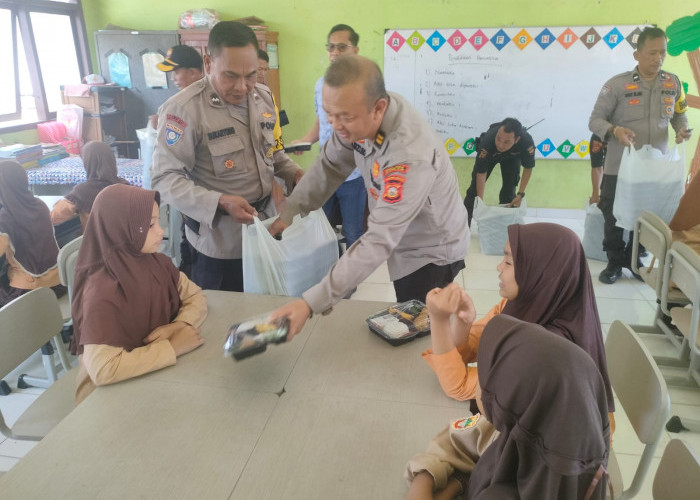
<point x="628" y="300"/>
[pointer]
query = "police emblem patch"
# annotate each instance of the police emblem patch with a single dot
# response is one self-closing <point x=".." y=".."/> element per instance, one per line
<point x="604" y="90"/>
<point x="631" y="86"/>
<point x="393" y="188"/>
<point x="465" y="423"/>
<point x="173" y="133"/>
<point x="229" y="163"/>
<point x="634" y="102"/>
<point x="266" y="115"/>
<point x="669" y="110"/>
<point x="483" y="153"/>
<point x="669" y="85"/>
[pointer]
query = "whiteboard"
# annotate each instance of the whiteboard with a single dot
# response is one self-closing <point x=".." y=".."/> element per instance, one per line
<point x="464" y="79"/>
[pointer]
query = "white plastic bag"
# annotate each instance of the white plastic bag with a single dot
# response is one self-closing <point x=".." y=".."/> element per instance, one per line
<point x="292" y="265"/>
<point x="648" y="180"/>
<point x="593" y="232"/>
<point x="147" y="139"/>
<point x="493" y="222"/>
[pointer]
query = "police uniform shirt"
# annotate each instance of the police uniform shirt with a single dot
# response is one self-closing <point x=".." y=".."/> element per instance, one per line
<point x="416" y="212"/>
<point x="644" y="106"/>
<point x="489" y="156"/>
<point x="204" y="148"/>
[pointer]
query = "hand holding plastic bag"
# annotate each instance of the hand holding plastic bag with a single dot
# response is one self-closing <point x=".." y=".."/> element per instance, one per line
<point x="290" y="266"/>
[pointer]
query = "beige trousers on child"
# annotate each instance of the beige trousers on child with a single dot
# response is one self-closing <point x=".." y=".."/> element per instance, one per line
<point x="457" y="447"/>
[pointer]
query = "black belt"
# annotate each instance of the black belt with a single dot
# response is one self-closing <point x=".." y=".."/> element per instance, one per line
<point x="261" y="204"/>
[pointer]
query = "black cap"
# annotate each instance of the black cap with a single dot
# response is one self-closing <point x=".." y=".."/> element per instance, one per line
<point x="181" y="56"/>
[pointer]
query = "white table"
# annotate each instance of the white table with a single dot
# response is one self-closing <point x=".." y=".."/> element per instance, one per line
<point x="335" y="413"/>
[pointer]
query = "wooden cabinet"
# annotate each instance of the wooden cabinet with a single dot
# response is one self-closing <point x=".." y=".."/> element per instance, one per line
<point x="104" y="118"/>
<point x="200" y="38"/>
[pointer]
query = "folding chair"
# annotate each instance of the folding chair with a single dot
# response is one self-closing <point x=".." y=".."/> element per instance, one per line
<point x="678" y="475"/>
<point x="29" y="322"/>
<point x="643" y="395"/>
<point x="652" y="232"/>
<point x="683" y="271"/>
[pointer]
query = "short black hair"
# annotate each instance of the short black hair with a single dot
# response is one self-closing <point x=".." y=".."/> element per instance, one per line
<point x="351" y="68"/>
<point x="649" y="33"/>
<point x="263" y="55"/>
<point x="354" y="37"/>
<point x="511" y="125"/>
<point x="230" y="34"/>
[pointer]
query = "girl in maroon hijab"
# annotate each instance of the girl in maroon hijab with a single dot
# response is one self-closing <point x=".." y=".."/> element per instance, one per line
<point x="553" y="426"/>
<point x="542" y="433"/>
<point x="101" y="170"/>
<point x="133" y="311"/>
<point x="544" y="279"/>
<point x="28" y="248"/>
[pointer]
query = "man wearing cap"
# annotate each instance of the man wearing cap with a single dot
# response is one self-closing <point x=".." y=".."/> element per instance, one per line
<point x="216" y="155"/>
<point x="184" y="65"/>
<point x="417" y="221"/>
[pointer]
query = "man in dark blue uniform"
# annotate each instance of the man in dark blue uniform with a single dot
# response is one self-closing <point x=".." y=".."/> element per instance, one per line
<point x="509" y="144"/>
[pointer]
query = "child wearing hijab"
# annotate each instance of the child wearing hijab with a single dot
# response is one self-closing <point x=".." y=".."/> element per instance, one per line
<point x="686" y="222"/>
<point x="552" y="438"/>
<point x="133" y="311"/>
<point x="544" y="279"/>
<point x="28" y="248"/>
<point x="101" y="170"/>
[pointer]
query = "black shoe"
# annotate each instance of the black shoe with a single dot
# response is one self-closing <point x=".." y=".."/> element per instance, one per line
<point x="610" y="274"/>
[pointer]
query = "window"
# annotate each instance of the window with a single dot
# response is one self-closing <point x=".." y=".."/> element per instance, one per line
<point x="47" y="48"/>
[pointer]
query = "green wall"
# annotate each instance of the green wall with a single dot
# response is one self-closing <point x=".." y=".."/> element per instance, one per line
<point x="303" y="25"/>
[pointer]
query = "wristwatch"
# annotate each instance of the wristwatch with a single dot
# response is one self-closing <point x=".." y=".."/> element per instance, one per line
<point x="521" y="194"/>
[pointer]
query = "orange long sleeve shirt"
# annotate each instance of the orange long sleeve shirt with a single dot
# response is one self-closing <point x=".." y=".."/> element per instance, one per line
<point x="457" y="379"/>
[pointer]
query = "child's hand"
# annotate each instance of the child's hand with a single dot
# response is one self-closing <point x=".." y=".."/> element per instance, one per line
<point x="442" y="302"/>
<point x="163" y="332"/>
<point x="466" y="311"/>
<point x="185" y="339"/>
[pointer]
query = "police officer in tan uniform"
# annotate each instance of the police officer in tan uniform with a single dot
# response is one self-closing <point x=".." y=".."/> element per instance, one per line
<point x="417" y="220"/>
<point x="216" y="155"/>
<point x="633" y="109"/>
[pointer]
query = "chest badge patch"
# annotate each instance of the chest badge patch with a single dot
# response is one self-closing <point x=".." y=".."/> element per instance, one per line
<point x="173" y="134"/>
<point x="465" y="423"/>
<point x="393" y="188"/>
<point x="632" y="86"/>
<point x="669" y="85"/>
<point x="634" y="102"/>
<point x="373" y="193"/>
<point x="266" y="115"/>
<point x="215" y="100"/>
<point x="229" y="164"/>
<point x="668" y="100"/>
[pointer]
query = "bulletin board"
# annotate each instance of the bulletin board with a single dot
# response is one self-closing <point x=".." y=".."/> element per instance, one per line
<point x="464" y="79"/>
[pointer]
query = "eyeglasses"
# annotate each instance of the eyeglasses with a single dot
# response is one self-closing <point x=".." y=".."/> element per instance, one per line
<point x="340" y="47"/>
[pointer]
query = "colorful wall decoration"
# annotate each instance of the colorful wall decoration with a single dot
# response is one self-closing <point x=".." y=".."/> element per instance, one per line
<point x="464" y="79"/>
